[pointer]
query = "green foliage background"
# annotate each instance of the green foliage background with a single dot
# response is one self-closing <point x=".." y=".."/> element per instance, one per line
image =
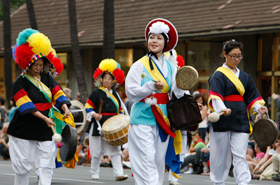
<point x="15" y="4"/>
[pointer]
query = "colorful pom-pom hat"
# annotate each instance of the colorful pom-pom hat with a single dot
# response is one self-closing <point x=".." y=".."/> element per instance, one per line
<point x="32" y="45"/>
<point x="163" y="26"/>
<point x="112" y="67"/>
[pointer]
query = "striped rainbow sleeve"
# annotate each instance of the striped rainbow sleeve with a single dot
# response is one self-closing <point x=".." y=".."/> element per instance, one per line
<point x="121" y="111"/>
<point x="58" y="96"/>
<point x="23" y="102"/>
<point x="89" y="106"/>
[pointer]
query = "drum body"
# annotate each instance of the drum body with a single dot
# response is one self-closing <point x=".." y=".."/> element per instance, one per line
<point x="78" y="111"/>
<point x="69" y="139"/>
<point x="265" y="132"/>
<point x="115" y="130"/>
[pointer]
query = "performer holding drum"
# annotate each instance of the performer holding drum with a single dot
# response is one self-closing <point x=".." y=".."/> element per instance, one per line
<point x="150" y="81"/>
<point x="233" y="92"/>
<point x="35" y="92"/>
<point x="103" y="103"/>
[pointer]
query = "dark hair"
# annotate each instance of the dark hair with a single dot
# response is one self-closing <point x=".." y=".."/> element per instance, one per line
<point x="230" y="45"/>
<point x="103" y="74"/>
<point x="2" y="100"/>
<point x="12" y="99"/>
<point x="198" y="96"/>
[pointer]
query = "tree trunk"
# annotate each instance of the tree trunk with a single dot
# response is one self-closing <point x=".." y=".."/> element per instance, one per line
<point x="31" y="14"/>
<point x="109" y="30"/>
<point x="76" y="56"/>
<point x="8" y="50"/>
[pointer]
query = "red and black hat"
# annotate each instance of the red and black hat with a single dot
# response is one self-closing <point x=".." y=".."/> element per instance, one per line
<point x="163" y="26"/>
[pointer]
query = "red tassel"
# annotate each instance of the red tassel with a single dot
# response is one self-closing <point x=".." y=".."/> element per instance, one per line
<point x="180" y="61"/>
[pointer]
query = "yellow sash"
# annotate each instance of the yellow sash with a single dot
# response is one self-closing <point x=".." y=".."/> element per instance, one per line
<point x="40" y="85"/>
<point x="239" y="86"/>
<point x="155" y="73"/>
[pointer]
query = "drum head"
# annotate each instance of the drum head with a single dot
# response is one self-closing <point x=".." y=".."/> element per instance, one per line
<point x="69" y="139"/>
<point x="115" y="123"/>
<point x="265" y="132"/>
<point x="186" y="78"/>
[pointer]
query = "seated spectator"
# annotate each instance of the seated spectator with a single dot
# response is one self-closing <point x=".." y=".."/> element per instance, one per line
<point x="205" y="156"/>
<point x="264" y="162"/>
<point x="67" y="92"/>
<point x="4" y="147"/>
<point x="259" y="155"/>
<point x="86" y="152"/>
<point x="194" y="158"/>
<point x="80" y="147"/>
<point x="13" y="109"/>
<point x="105" y="161"/>
<point x="125" y="157"/>
<point x="203" y="111"/>
<point x="2" y="112"/>
<point x="78" y="96"/>
<point x="272" y="169"/>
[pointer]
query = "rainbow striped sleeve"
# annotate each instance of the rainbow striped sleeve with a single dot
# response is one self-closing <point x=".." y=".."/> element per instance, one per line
<point x="23" y="102"/>
<point x="58" y="96"/>
<point x="89" y="106"/>
<point x="121" y="111"/>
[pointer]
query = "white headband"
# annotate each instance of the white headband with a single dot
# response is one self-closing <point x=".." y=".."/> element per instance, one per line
<point x="160" y="27"/>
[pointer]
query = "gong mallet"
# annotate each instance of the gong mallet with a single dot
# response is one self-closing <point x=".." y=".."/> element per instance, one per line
<point x="214" y="116"/>
<point x="56" y="137"/>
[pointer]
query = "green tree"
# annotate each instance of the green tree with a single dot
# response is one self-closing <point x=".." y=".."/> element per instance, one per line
<point x="14" y="5"/>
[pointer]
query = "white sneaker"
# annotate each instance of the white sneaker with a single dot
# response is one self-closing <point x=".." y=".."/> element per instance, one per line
<point x="174" y="183"/>
<point x="127" y="164"/>
<point x="189" y="171"/>
<point x="95" y="177"/>
<point x="121" y="178"/>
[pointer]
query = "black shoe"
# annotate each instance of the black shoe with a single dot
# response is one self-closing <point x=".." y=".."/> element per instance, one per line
<point x="198" y="171"/>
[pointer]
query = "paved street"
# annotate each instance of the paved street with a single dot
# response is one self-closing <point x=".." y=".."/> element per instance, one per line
<point x="81" y="176"/>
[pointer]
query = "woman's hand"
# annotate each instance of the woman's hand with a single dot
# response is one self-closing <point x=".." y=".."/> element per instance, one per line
<point x="49" y="122"/>
<point x="66" y="110"/>
<point x="263" y="110"/>
<point x="200" y="106"/>
<point x="274" y="96"/>
<point x="159" y="85"/>
<point x="98" y="117"/>
<point x="227" y="112"/>
<point x="204" y="150"/>
<point x="257" y="167"/>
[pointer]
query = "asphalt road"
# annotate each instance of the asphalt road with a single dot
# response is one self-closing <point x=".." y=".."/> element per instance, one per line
<point x="81" y="176"/>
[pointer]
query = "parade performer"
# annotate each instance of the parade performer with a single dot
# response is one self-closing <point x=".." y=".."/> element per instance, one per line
<point x="179" y="62"/>
<point x="149" y="83"/>
<point x="35" y="92"/>
<point x="102" y="104"/>
<point x="233" y="92"/>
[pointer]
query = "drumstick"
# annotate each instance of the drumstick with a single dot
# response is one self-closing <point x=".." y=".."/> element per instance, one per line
<point x="56" y="137"/>
<point x="214" y="117"/>
<point x="100" y="106"/>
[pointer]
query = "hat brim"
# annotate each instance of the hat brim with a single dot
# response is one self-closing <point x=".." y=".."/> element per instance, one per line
<point x="173" y="34"/>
